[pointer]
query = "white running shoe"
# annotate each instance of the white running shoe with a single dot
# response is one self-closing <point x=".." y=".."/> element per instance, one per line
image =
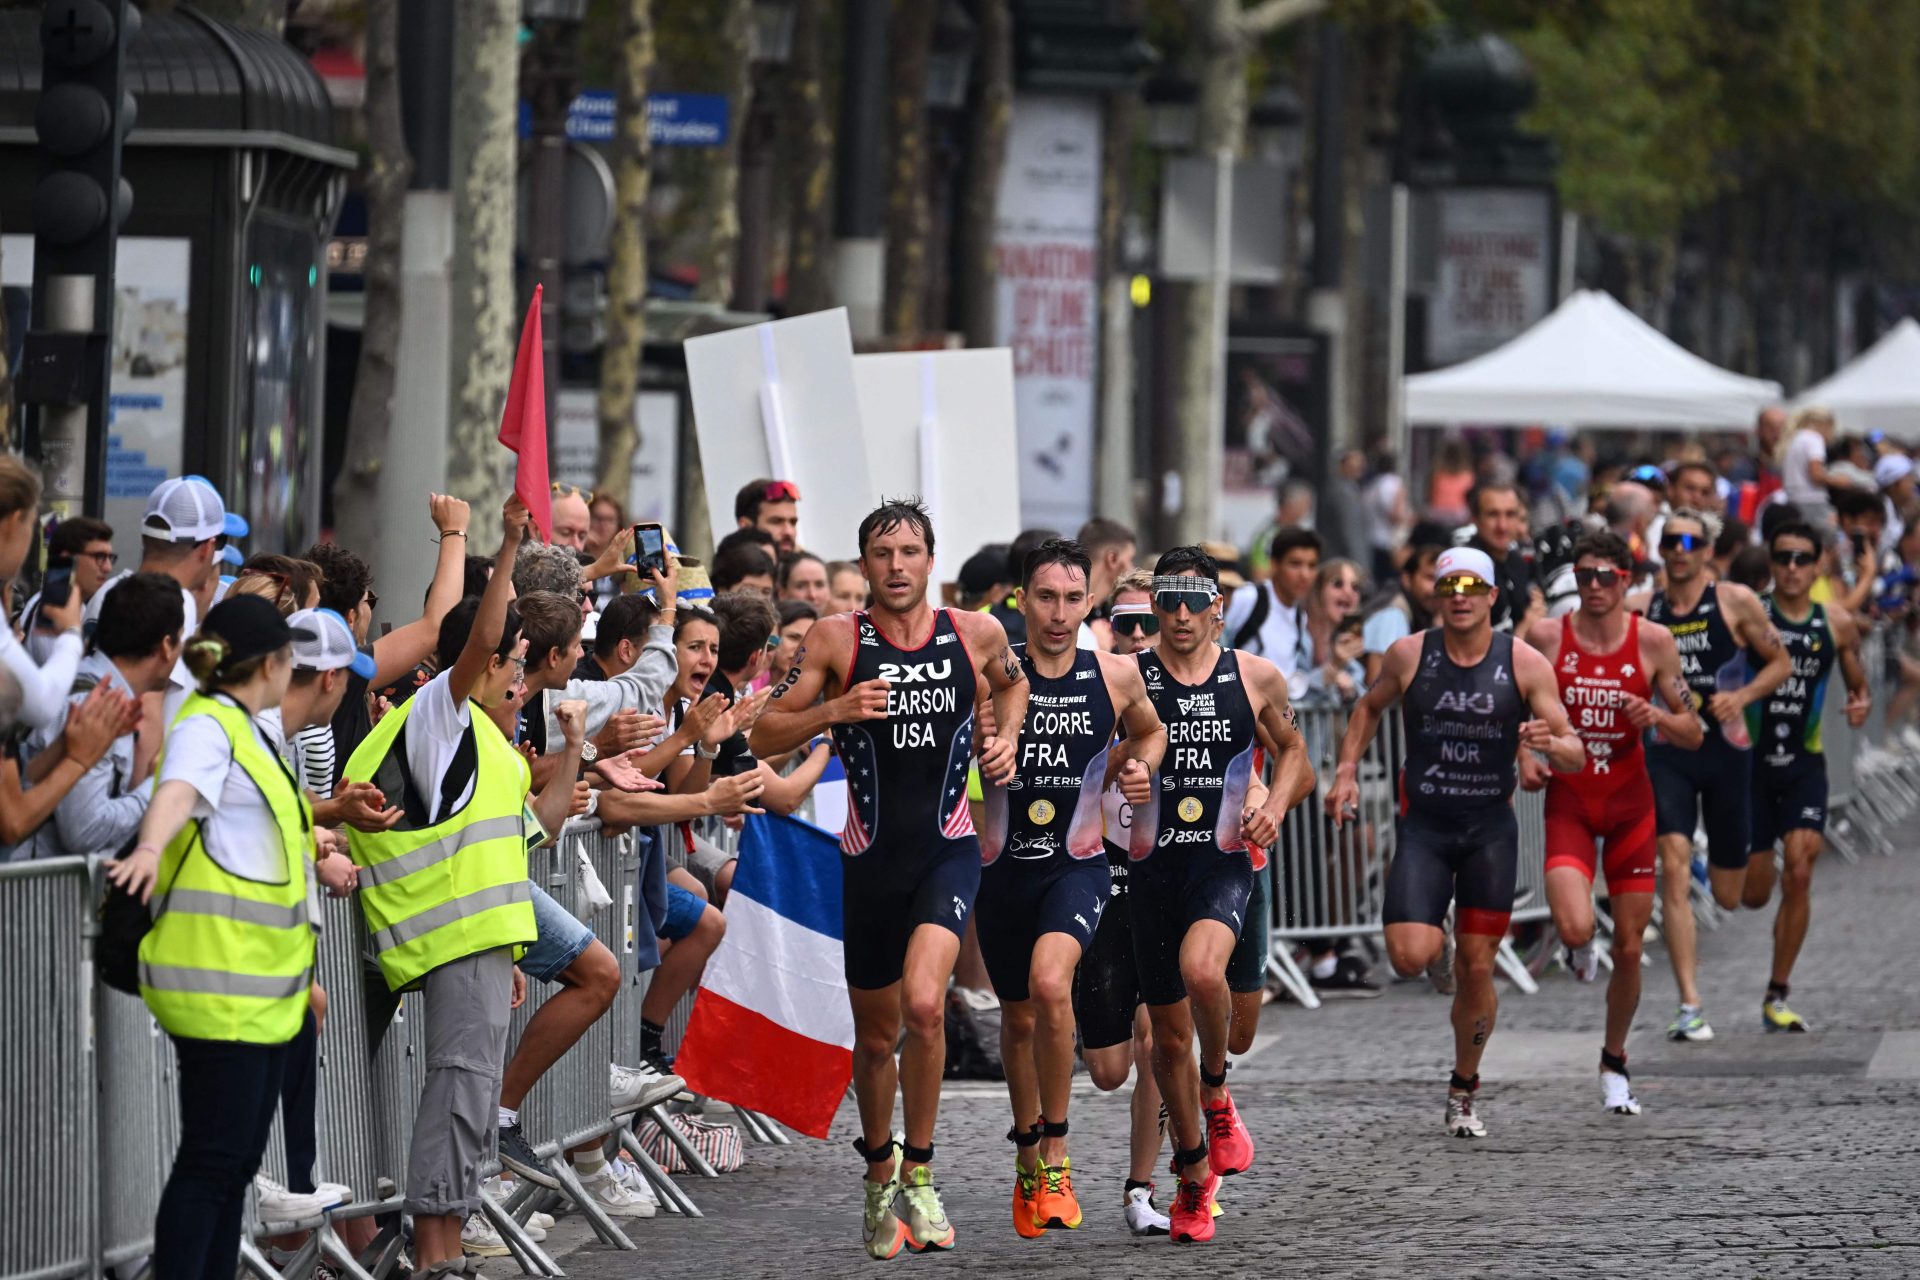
<point x="277" y="1204"/>
<point x="1690" y="1024"/>
<point x="637" y="1088"/>
<point x="1461" y="1120"/>
<point x="1583" y="962"/>
<point x="613" y="1198"/>
<point x="629" y="1176"/>
<point x="478" y="1239"/>
<point x="1142" y="1218"/>
<point x="1619" y="1094"/>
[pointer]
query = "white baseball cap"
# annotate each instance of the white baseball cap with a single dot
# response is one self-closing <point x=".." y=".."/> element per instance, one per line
<point x="1892" y="469"/>
<point x="331" y="646"/>
<point x="189" y="509"/>
<point x="1467" y="560"/>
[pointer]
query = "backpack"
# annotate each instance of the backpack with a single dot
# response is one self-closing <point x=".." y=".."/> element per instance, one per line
<point x="1250" y="629"/>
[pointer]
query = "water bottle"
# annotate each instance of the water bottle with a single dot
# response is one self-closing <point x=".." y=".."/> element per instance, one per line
<point x="1730" y="677"/>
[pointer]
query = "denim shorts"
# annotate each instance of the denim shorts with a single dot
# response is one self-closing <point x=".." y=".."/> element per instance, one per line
<point x="562" y="939"/>
<point x="684" y="908"/>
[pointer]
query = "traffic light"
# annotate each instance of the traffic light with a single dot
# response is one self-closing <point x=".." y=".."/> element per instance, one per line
<point x="84" y="114"/>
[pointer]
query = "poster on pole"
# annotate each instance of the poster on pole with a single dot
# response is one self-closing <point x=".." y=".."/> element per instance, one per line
<point x="147" y="398"/>
<point x="576" y="450"/>
<point x="1493" y="270"/>
<point x="935" y="421"/>
<point x="777" y="400"/>
<point x="1046" y="254"/>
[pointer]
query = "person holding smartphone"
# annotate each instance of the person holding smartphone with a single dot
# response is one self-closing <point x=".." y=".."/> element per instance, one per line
<point x="84" y="546"/>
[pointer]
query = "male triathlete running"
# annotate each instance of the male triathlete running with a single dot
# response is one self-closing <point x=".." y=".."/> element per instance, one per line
<point x="1468" y="691"/>
<point x="899" y="683"/>
<point x="1189" y="892"/>
<point x="1722" y="631"/>
<point x="1789" y="763"/>
<point x="1044" y="879"/>
<point x="1609" y="663"/>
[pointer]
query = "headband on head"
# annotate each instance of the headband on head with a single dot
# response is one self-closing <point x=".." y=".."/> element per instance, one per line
<point x="1186" y="582"/>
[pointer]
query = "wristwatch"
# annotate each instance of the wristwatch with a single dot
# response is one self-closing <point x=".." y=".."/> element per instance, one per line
<point x="588" y="753"/>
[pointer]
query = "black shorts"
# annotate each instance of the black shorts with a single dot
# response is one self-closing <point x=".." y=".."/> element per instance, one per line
<point x="885" y="897"/>
<point x="1106" y="987"/>
<point x="1247" y="966"/>
<point x="1022" y="901"/>
<point x="1470" y="859"/>
<point x="1168" y="897"/>
<point x="1714" y="783"/>
<point x="1790" y="799"/>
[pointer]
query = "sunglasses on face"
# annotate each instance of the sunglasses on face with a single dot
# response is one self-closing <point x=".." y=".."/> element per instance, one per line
<point x="773" y="642"/>
<point x="1462" y="584"/>
<point x="1682" y="541"/>
<point x="1795" y="559"/>
<point x="1135" y="624"/>
<point x="1192" y="601"/>
<point x="373" y="600"/>
<point x="1597" y="577"/>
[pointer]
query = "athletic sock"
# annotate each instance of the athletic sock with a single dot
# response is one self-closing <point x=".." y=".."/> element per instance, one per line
<point x="1609" y="1062"/>
<point x="1777" y="991"/>
<point x="1132" y="1183"/>
<point x="1324" y="965"/>
<point x="652" y="1039"/>
<point x="509" y="1117"/>
<point x="589" y="1164"/>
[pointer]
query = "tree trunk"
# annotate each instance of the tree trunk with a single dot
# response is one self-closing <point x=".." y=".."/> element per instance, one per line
<point x="626" y="258"/>
<point x="909" y="221"/>
<point x="992" y="116"/>
<point x="728" y="26"/>
<point x="809" y="150"/>
<point x="485" y="307"/>
<point x="356" y="491"/>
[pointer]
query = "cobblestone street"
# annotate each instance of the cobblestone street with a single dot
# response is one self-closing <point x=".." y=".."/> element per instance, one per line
<point x="1757" y="1155"/>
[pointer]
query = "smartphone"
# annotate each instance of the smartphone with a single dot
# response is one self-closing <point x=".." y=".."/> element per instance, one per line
<point x="56" y="588"/>
<point x="649" y="548"/>
<point x="1859" y="544"/>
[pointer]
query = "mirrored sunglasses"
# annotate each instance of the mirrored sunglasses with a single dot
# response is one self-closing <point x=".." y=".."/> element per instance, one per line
<point x="1682" y="541"/>
<point x="1591" y="577"/>
<point x="1462" y="584"/>
<point x="1795" y="559"/>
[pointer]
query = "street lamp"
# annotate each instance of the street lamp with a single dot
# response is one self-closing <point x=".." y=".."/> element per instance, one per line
<point x="1173" y="116"/>
<point x="950" y="64"/>
<point x="772" y="35"/>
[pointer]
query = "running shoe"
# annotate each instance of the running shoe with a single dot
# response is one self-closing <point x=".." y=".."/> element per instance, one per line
<point x="1618" y="1091"/>
<point x="926" y="1217"/>
<point x="1462" y="1122"/>
<point x="1348" y="981"/>
<point x="1027" y="1222"/>
<point x="1142" y="1218"/>
<point x="613" y="1197"/>
<point x="1229" y="1145"/>
<point x="1440" y="968"/>
<point x="1777" y="1017"/>
<point x="1056" y="1205"/>
<point x="1192" y="1220"/>
<point x="1689" y="1024"/>
<point x="628" y="1175"/>
<point x="882" y="1231"/>
<point x="637" y="1088"/>
<point x="1583" y="962"/>
<point x="478" y="1239"/>
<point x="518" y="1156"/>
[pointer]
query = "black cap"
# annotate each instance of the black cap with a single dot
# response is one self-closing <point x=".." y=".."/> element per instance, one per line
<point x="984" y="570"/>
<point x="250" y="626"/>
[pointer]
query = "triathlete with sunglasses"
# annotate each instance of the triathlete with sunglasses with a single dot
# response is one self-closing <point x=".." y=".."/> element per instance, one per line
<point x="1191" y="886"/>
<point x="1468" y="691"/>
<point x="1044" y="879"/>
<point x="897" y="685"/>
<point x="1609" y="664"/>
<point x="1789" y="763"/>
<point x="1722" y="631"/>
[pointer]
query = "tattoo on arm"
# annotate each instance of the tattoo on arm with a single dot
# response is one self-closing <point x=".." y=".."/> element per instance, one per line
<point x="1010" y="666"/>
<point x="792" y="677"/>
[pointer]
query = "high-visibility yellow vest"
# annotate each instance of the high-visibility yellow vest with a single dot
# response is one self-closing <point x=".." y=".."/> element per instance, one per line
<point x="230" y="958"/>
<point x="438" y="893"/>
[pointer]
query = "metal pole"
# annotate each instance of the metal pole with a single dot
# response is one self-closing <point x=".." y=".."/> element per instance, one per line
<point x="860" y="256"/>
<point x="551" y="93"/>
<point x="74" y="478"/>
<point x="1397" y="325"/>
<point x="1207" y="502"/>
<point x="1569" y="253"/>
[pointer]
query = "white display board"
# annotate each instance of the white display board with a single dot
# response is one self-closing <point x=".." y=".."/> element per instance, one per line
<point x="1495" y="253"/>
<point x="941" y="424"/>
<point x="778" y="400"/>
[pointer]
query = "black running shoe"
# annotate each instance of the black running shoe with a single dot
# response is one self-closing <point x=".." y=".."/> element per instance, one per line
<point x="517" y="1155"/>
<point x="1348" y="981"/>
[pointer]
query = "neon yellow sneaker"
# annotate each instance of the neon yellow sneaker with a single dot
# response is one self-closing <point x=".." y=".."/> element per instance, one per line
<point x="1775" y="1015"/>
<point x="926" y="1218"/>
<point x="882" y="1230"/>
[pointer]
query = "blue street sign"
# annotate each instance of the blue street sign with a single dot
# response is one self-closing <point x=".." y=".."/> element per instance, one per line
<point x="673" y="119"/>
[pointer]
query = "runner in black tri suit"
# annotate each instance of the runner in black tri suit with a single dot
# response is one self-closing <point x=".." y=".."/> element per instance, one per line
<point x="1789" y="762"/>
<point x="1045" y="879"/>
<point x="899" y="684"/>
<point x="1190" y="887"/>
<point x="1465" y="693"/>
<point x="1722" y="632"/>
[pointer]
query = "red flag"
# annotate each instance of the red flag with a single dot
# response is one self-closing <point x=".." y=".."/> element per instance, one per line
<point x="523" y="427"/>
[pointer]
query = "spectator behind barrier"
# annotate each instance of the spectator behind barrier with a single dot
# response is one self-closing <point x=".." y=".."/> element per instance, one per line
<point x="803" y="576"/>
<point x="846" y="587"/>
<point x="772" y="507"/>
<point x="89" y="544"/>
<point x="743" y="567"/>
<point x="43" y="688"/>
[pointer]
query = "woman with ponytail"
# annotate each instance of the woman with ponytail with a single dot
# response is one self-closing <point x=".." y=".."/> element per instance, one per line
<point x="225" y="857"/>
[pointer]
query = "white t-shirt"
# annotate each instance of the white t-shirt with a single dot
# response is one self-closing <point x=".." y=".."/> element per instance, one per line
<point x="434" y="729"/>
<point x="1804" y="448"/>
<point x="237" y="825"/>
<point x="1279" y="638"/>
<point x="1382" y="495"/>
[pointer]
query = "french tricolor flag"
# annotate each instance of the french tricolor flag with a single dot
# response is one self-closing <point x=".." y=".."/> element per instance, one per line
<point x="771" y="1030"/>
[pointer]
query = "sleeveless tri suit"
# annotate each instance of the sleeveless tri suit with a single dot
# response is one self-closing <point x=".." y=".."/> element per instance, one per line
<point x="1789" y="759"/>
<point x="1711" y="786"/>
<point x="1611" y="798"/>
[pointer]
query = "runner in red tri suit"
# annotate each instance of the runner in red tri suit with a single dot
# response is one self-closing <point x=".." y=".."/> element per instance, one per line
<point x="1608" y="662"/>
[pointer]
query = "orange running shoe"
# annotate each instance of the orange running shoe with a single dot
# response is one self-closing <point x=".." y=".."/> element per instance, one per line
<point x="1056" y="1206"/>
<point x="1229" y="1145"/>
<point x="1027" y="1223"/>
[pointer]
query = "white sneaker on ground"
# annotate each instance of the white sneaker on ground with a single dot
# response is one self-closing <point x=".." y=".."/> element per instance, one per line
<point x="613" y="1198"/>
<point x="1461" y="1120"/>
<point x="1619" y="1097"/>
<point x="478" y="1239"/>
<point x="500" y="1190"/>
<point x="629" y="1176"/>
<point x="637" y="1088"/>
<point x="277" y="1204"/>
<point x="1142" y="1218"/>
<point x="1584" y="962"/>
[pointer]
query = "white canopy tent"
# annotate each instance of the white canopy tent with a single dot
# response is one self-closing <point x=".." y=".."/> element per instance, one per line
<point x="1879" y="389"/>
<point x="1592" y="363"/>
